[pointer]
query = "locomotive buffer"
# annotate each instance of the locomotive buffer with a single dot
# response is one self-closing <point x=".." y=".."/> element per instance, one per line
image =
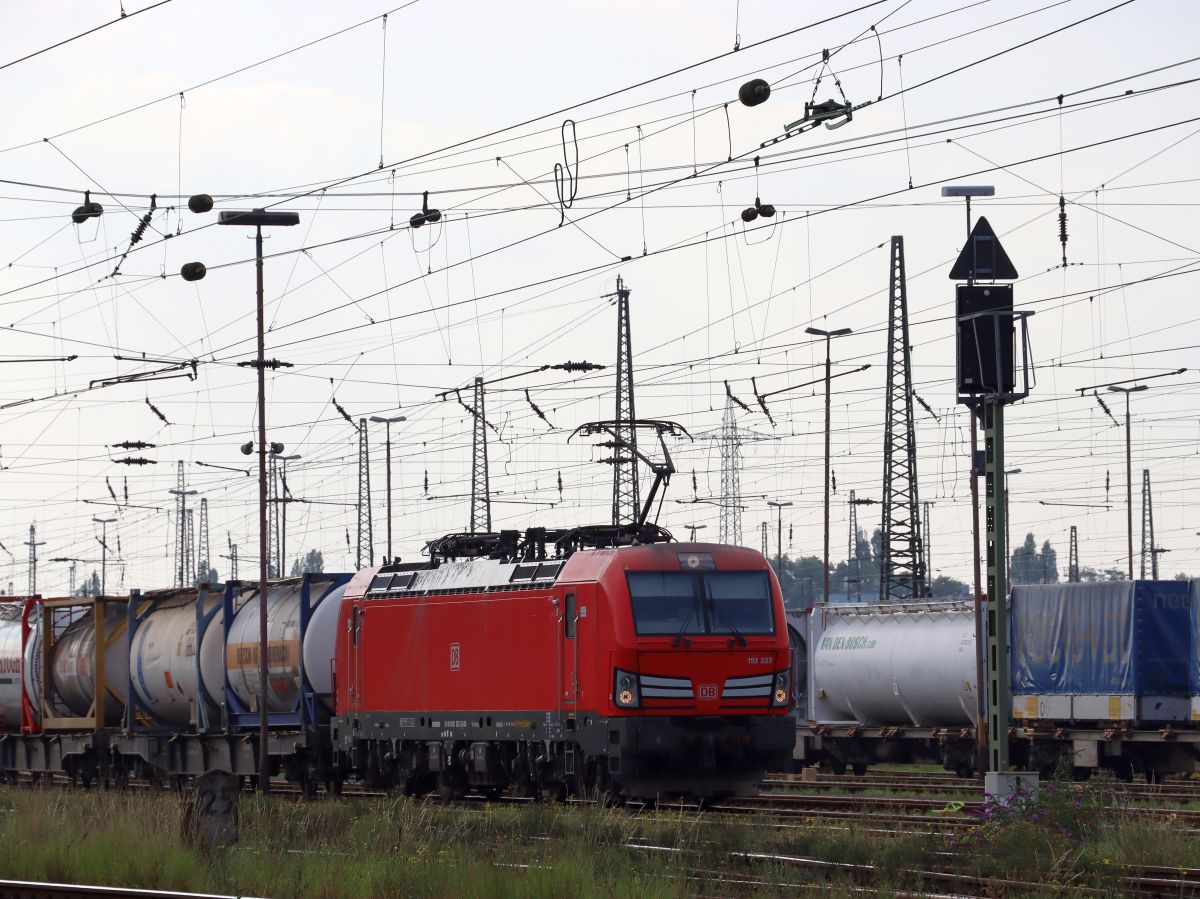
<point x="987" y="382"/>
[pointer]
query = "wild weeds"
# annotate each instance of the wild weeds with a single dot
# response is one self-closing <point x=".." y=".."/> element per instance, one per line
<point x="1064" y="833"/>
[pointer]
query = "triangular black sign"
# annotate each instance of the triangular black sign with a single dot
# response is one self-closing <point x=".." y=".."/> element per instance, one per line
<point x="983" y="258"/>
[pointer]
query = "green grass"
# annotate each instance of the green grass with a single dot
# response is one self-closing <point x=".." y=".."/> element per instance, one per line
<point x="403" y="847"/>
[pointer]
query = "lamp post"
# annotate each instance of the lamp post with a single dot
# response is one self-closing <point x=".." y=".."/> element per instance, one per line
<point x="1008" y="525"/>
<point x="388" y="422"/>
<point x="257" y="219"/>
<point x="1137" y="388"/>
<point x="828" y="335"/>
<point x="104" y="523"/>
<point x="779" y="538"/>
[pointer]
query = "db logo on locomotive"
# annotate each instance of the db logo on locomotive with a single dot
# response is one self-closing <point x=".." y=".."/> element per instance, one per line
<point x="708" y="691"/>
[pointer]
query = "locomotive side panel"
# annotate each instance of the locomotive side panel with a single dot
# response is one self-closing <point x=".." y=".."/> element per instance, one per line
<point x="458" y="654"/>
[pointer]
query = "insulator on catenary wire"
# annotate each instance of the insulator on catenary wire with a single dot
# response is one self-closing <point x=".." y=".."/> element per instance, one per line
<point x="1062" y="227"/>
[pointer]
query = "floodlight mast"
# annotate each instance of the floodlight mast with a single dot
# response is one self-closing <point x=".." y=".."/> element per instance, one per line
<point x="258" y="219"/>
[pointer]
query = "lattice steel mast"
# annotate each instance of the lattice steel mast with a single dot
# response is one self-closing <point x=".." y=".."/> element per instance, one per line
<point x="902" y="567"/>
<point x="205" y="561"/>
<point x="1073" y="558"/>
<point x="626" y="505"/>
<point x="182" y="550"/>
<point x="853" y="563"/>
<point x="765" y="547"/>
<point x="190" y="548"/>
<point x="927" y="548"/>
<point x="731" y="477"/>
<point x="274" y="560"/>
<point x="365" y="550"/>
<point x="33" y="544"/>
<point x="481" y="497"/>
<point x="1149" y="552"/>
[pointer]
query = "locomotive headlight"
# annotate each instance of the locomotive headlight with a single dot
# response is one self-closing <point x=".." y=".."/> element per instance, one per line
<point x="626" y="689"/>
<point x="780" y="697"/>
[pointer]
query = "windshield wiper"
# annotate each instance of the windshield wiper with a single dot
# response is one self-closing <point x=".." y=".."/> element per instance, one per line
<point x="679" y="637"/>
<point x="737" y="635"/>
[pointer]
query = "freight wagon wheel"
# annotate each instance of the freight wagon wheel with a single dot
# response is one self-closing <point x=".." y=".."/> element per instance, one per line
<point x="860" y="769"/>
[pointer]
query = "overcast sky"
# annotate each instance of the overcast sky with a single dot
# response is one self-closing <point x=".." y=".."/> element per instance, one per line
<point x="326" y="110"/>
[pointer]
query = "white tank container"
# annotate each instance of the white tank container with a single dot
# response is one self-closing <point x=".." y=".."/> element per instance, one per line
<point x="284" y="651"/>
<point x="908" y="665"/>
<point x="72" y="664"/>
<point x="320" y="643"/>
<point x="163" y="659"/>
<point x="11" y="666"/>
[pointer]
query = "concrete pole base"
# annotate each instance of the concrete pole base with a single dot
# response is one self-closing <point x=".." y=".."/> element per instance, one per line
<point x="1008" y="786"/>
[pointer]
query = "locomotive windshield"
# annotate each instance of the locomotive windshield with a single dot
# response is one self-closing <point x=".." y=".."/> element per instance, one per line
<point x="702" y="603"/>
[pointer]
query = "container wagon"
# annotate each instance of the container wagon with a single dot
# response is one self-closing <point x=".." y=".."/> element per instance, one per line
<point x="1102" y="675"/>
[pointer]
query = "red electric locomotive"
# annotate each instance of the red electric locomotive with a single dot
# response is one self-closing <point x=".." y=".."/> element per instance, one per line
<point x="548" y="665"/>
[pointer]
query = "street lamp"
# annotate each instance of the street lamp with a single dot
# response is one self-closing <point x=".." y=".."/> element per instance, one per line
<point x="1137" y="388"/>
<point x="389" y="422"/>
<point x="828" y="335"/>
<point x="779" y="538"/>
<point x="258" y="219"/>
<point x="1008" y="525"/>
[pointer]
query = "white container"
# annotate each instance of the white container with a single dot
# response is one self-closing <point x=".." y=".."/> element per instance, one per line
<point x="283" y="646"/>
<point x="320" y="643"/>
<point x="72" y="663"/>
<point x="893" y="665"/>
<point x="163" y="660"/>
<point x="11" y="666"/>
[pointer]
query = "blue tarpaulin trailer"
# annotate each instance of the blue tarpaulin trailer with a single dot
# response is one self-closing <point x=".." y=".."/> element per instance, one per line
<point x="1194" y="668"/>
<point x="1110" y="651"/>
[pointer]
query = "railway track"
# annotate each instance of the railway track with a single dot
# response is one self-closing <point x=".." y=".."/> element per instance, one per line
<point x="1174" y="790"/>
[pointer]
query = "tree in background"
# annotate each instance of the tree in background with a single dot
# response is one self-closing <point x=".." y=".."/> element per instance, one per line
<point x="311" y="563"/>
<point x="948" y="586"/>
<point x="90" y="585"/>
<point x="1091" y="575"/>
<point x="1049" y="564"/>
<point x="1032" y="567"/>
